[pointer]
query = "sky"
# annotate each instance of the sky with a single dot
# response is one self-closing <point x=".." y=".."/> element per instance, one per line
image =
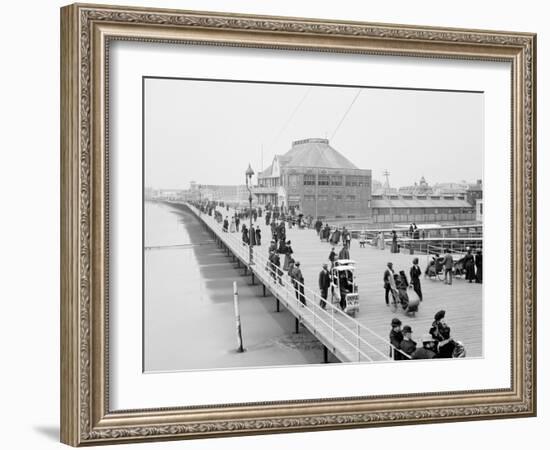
<point x="209" y="131"/>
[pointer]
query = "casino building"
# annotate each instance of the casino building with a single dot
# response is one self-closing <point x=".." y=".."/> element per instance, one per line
<point x="317" y="180"/>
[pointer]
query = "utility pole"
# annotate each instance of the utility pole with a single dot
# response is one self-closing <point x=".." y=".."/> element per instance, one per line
<point x="240" y="348"/>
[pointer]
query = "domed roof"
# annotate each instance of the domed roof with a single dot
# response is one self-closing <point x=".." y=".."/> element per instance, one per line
<point x="315" y="152"/>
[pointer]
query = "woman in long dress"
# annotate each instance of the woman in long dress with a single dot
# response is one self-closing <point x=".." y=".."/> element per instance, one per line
<point x="469" y="266"/>
<point x="232" y="227"/>
<point x="394" y="248"/>
<point x="381" y="242"/>
<point x="252" y="235"/>
<point x="288" y="255"/>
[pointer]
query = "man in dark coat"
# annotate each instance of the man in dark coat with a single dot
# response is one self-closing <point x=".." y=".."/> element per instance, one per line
<point x="448" y="266"/>
<point x="407" y="345"/>
<point x="225" y="225"/>
<point x="415" y="273"/>
<point x="396" y="336"/>
<point x="318" y="225"/>
<point x="344" y="253"/>
<point x="258" y="236"/>
<point x="332" y="257"/>
<point x="479" y="266"/>
<point x="299" y="287"/>
<point x="324" y="284"/>
<point x="427" y="349"/>
<point x="326" y="232"/>
<point x="389" y="283"/>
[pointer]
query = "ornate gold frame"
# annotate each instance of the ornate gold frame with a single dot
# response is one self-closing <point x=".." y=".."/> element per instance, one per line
<point x="86" y="31"/>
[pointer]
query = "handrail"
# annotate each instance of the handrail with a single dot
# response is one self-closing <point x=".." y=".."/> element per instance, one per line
<point x="260" y="258"/>
<point x="338" y="312"/>
<point x="318" y="312"/>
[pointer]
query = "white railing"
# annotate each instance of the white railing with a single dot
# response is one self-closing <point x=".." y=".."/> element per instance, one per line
<point x="344" y="334"/>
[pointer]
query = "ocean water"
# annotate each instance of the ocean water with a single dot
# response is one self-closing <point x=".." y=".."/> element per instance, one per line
<point x="189" y="321"/>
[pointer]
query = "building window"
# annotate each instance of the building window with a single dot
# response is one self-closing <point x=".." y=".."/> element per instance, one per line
<point x="336" y="180"/>
<point x="309" y="198"/>
<point x="338" y="197"/>
<point x="323" y="198"/>
<point x="323" y="180"/>
<point x="350" y="198"/>
<point x="309" y="180"/>
<point x="293" y="180"/>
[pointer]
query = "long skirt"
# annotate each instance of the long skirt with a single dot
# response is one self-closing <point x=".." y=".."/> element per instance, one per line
<point x="470" y="272"/>
<point x="286" y="262"/>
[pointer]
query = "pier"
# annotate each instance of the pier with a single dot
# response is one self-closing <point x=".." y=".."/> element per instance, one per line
<point x="365" y="337"/>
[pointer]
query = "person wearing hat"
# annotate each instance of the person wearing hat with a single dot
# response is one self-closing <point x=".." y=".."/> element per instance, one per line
<point x="299" y="283"/>
<point x="332" y="257"/>
<point x="448" y="266"/>
<point x="288" y="254"/>
<point x="396" y="336"/>
<point x="441" y="333"/>
<point x="407" y="345"/>
<point x="324" y="284"/>
<point x="469" y="265"/>
<point x="389" y="283"/>
<point x="478" y="260"/>
<point x="415" y="273"/>
<point x="427" y="351"/>
<point x="344" y="253"/>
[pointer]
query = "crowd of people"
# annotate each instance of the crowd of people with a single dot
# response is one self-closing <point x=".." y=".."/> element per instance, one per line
<point x="397" y="283"/>
<point x="470" y="265"/>
<point x="436" y="343"/>
<point x="281" y="261"/>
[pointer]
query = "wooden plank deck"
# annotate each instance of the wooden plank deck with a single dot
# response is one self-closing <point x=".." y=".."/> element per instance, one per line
<point x="462" y="301"/>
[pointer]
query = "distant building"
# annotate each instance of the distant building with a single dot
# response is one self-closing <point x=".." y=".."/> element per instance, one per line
<point x="474" y="192"/>
<point x="405" y="208"/>
<point x="420" y="188"/>
<point x="231" y="194"/>
<point x="450" y="188"/>
<point x="171" y="194"/>
<point x="317" y="180"/>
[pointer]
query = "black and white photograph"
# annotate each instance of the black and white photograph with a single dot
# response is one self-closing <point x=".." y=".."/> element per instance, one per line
<point x="292" y="224"/>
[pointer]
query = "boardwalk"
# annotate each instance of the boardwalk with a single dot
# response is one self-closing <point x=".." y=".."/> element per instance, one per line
<point x="462" y="300"/>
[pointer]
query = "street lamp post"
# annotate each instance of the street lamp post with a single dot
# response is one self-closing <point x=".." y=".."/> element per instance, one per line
<point x="200" y="201"/>
<point x="249" y="172"/>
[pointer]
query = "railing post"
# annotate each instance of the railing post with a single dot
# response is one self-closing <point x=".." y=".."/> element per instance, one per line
<point x="332" y="324"/>
<point x="358" y="343"/>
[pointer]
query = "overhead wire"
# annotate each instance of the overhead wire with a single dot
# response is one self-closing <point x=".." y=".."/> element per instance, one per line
<point x="346" y="113"/>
